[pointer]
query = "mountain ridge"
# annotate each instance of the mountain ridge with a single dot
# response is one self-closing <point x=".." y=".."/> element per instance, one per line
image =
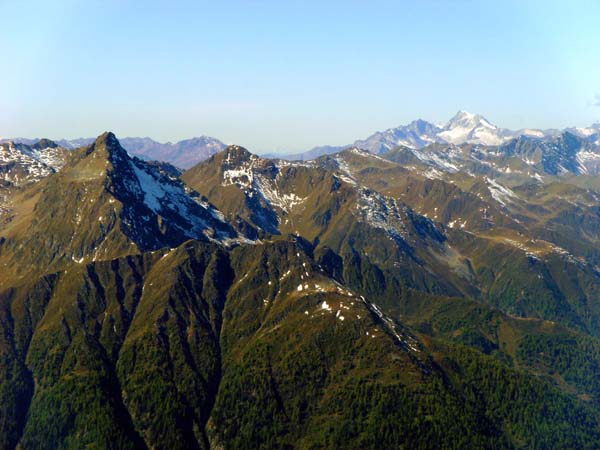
<point x="346" y="302"/>
<point x="462" y="128"/>
<point x="182" y="154"/>
<point x="110" y="204"/>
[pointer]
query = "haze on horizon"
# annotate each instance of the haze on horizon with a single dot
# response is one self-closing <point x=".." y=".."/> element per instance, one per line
<point x="286" y="76"/>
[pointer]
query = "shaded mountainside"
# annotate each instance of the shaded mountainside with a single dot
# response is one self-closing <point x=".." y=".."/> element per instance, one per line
<point x="527" y="253"/>
<point x="346" y="302"/>
<point x="198" y="347"/>
<point x="345" y="221"/>
<point x="381" y="228"/>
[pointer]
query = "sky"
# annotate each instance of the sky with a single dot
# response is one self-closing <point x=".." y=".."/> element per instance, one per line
<point x="284" y="76"/>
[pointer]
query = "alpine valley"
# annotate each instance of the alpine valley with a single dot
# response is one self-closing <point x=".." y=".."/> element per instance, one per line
<point x="427" y="287"/>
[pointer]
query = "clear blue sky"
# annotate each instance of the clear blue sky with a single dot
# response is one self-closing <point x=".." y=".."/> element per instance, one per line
<point x="285" y="75"/>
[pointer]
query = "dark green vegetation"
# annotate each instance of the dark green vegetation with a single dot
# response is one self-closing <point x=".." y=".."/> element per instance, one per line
<point x="323" y="310"/>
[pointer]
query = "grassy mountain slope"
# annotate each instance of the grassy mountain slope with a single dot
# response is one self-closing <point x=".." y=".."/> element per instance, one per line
<point x="147" y="351"/>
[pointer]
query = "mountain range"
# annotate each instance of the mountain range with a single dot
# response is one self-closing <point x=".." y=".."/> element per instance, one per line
<point x="183" y="154"/>
<point x="463" y="128"/>
<point x="439" y="295"/>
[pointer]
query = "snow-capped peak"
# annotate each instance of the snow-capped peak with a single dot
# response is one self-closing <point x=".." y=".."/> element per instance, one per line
<point x="416" y="134"/>
<point x="471" y="128"/>
<point x="462" y="117"/>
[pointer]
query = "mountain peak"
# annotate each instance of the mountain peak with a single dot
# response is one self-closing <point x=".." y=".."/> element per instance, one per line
<point x="106" y="204"/>
<point x="416" y="134"/>
<point x="109" y="146"/>
<point x="237" y="149"/>
<point x="107" y="138"/>
<point x="423" y="128"/>
<point x="463" y="113"/>
<point x="236" y="154"/>
<point x="44" y="143"/>
<point x="471" y="128"/>
<point x="465" y="119"/>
